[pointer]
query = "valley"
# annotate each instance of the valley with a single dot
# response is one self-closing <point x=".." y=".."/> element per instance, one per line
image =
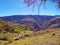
<point x="30" y="30"/>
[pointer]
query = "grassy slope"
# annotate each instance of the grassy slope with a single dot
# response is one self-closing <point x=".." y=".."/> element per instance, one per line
<point x="45" y="39"/>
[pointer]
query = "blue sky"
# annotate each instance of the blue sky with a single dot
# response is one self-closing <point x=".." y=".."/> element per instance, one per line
<point x="18" y="7"/>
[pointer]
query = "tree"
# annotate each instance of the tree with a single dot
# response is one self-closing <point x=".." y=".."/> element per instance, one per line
<point x="32" y="2"/>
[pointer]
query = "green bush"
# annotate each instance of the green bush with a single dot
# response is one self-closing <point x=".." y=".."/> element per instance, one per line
<point x="20" y="28"/>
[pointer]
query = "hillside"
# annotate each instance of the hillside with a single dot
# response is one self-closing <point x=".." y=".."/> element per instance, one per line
<point x="35" y="22"/>
<point x="10" y="31"/>
<point x="51" y="37"/>
<point x="18" y="18"/>
<point x="24" y="32"/>
<point x="5" y="27"/>
<point x="53" y="23"/>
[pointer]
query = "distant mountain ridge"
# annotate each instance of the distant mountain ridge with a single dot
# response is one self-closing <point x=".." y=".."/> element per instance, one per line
<point x="37" y="22"/>
<point x="53" y="23"/>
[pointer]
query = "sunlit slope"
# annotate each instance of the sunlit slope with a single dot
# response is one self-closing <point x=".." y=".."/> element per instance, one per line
<point x="50" y="37"/>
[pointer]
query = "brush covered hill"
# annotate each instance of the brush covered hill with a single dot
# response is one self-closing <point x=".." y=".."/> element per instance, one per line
<point x="19" y="32"/>
<point x="14" y="26"/>
<point x="35" y="22"/>
<point x="50" y="37"/>
<point x="4" y="27"/>
<point x="9" y="31"/>
<point x="53" y="23"/>
<point x="28" y="20"/>
<point x="6" y="31"/>
<point x="10" y="27"/>
<point x="8" y="36"/>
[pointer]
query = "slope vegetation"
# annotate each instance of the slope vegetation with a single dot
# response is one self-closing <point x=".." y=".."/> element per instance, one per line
<point x="53" y="23"/>
<point x="50" y="37"/>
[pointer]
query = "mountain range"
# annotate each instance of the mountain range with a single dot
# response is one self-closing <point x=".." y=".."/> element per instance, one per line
<point x="35" y="22"/>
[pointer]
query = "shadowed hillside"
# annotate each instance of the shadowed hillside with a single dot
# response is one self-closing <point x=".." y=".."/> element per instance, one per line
<point x="35" y="22"/>
<point x="4" y="26"/>
<point x="53" y="23"/>
<point x="10" y="31"/>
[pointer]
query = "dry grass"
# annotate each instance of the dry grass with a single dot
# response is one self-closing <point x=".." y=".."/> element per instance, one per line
<point x="51" y="37"/>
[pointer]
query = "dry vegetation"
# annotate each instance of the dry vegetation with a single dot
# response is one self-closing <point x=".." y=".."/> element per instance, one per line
<point x="50" y="37"/>
<point x="15" y="34"/>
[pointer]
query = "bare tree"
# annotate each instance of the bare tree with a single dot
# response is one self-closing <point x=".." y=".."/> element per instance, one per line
<point x="32" y="2"/>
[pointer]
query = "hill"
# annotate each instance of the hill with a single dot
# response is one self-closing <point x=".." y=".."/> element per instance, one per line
<point x="18" y="30"/>
<point x="5" y="27"/>
<point x="51" y="37"/>
<point x="53" y="23"/>
<point x="35" y="22"/>
<point x="9" y="31"/>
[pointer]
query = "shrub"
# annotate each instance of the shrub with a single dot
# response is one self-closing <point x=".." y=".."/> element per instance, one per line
<point x="53" y="34"/>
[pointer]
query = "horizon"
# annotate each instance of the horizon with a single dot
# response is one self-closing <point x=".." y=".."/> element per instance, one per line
<point x="28" y="15"/>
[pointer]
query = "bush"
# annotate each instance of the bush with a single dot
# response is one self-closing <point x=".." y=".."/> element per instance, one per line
<point x="53" y="34"/>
